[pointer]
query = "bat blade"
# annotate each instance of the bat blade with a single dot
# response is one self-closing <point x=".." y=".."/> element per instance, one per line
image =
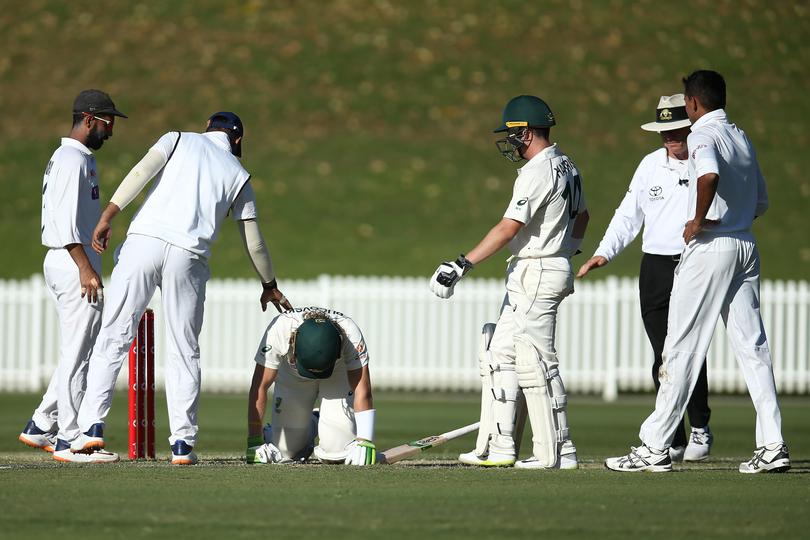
<point x="404" y="451"/>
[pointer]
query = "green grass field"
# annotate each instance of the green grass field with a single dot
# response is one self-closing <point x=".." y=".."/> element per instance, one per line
<point x="222" y="498"/>
<point x="368" y="123"/>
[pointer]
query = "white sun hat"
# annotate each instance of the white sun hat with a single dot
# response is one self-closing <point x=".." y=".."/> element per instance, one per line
<point x="670" y="114"/>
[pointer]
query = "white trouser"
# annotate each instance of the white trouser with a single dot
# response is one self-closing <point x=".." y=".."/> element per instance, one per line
<point x="717" y="276"/>
<point x="293" y="400"/>
<point x="144" y="264"/>
<point x="79" y="323"/>
<point x="534" y="290"/>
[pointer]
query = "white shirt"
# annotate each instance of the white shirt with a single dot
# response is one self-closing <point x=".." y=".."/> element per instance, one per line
<point x="657" y="199"/>
<point x="71" y="206"/>
<point x="546" y="198"/>
<point x="720" y="147"/>
<point x="274" y="348"/>
<point x="194" y="192"/>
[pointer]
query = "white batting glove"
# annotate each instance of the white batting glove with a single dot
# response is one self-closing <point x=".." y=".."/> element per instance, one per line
<point x="448" y="274"/>
<point x="361" y="452"/>
<point x="265" y="453"/>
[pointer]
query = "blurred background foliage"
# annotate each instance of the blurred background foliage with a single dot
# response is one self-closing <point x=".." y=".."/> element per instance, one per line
<point x="368" y="123"/>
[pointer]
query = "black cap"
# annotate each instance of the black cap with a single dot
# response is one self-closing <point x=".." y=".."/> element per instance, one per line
<point x="95" y="102"/>
<point x="231" y="122"/>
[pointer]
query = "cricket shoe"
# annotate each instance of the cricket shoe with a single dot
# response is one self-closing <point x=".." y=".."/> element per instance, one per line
<point x="183" y="454"/>
<point x="642" y="458"/>
<point x="567" y="459"/>
<point x="771" y="458"/>
<point x="92" y="439"/>
<point x="37" y="438"/>
<point x="676" y="453"/>
<point x="63" y="453"/>
<point x="700" y="442"/>
<point x="471" y="458"/>
<point x="496" y="459"/>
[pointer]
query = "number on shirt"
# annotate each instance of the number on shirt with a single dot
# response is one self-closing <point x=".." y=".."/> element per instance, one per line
<point x="571" y="194"/>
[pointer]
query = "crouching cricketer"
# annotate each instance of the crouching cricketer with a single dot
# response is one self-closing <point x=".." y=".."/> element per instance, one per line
<point x="311" y="352"/>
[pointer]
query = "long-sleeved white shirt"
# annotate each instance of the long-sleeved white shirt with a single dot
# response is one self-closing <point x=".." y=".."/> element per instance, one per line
<point x="657" y="200"/>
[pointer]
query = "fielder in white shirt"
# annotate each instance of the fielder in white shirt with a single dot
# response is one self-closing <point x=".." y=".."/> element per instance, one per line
<point x="312" y="353"/>
<point x="70" y="209"/>
<point x="718" y="276"/>
<point x="199" y="180"/>
<point x="657" y="199"/>
<point x="543" y="226"/>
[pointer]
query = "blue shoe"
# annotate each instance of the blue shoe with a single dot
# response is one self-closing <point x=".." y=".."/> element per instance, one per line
<point x="36" y="438"/>
<point x="92" y="439"/>
<point x="183" y="453"/>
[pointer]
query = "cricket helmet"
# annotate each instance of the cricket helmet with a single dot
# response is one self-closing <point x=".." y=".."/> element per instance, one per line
<point x="317" y="348"/>
<point x="526" y="111"/>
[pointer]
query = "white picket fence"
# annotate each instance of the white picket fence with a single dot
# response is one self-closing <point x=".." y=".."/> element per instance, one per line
<point x="418" y="342"/>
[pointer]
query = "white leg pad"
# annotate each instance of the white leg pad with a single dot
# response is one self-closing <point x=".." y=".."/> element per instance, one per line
<point x="545" y="400"/>
<point x="487" y="421"/>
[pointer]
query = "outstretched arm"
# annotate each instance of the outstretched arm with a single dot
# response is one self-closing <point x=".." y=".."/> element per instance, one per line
<point x="500" y="235"/>
<point x="132" y="184"/>
<point x="263" y="378"/>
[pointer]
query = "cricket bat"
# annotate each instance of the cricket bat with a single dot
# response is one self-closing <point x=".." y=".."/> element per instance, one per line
<point x="404" y="451"/>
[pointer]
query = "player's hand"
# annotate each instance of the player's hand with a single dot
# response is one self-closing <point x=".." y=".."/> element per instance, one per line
<point x="694" y="227"/>
<point x="101" y="236"/>
<point x="260" y="452"/>
<point x="271" y="294"/>
<point x="91" y="285"/>
<point x="594" y="262"/>
<point x="447" y="275"/>
<point x="361" y="452"/>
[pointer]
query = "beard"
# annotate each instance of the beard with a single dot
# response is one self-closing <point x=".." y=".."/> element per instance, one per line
<point x="95" y="139"/>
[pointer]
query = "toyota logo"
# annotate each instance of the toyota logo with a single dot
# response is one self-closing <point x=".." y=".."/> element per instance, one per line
<point x="655" y="191"/>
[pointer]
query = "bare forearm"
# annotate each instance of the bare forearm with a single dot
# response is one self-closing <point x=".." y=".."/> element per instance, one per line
<point x="257" y="403"/>
<point x="360" y="382"/>
<point x="79" y="256"/>
<point x="706" y="189"/>
<point x="500" y="235"/>
<point x="110" y="211"/>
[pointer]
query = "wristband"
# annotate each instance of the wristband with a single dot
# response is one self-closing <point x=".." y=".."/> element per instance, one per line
<point x="365" y="424"/>
<point x="255" y="440"/>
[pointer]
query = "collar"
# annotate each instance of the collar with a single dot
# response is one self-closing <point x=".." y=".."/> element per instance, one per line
<point x="544" y="155"/>
<point x="220" y="138"/>
<point x="718" y="115"/>
<point x="70" y="141"/>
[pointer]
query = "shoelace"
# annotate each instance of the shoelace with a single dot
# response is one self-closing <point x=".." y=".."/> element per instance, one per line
<point x="759" y="457"/>
<point x="700" y="437"/>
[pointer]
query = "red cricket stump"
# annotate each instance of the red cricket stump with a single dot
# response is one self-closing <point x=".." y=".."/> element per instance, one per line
<point x="142" y="390"/>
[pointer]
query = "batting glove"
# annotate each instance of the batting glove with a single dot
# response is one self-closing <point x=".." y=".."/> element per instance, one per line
<point x="361" y="452"/>
<point x="448" y="274"/>
<point x="260" y="452"/>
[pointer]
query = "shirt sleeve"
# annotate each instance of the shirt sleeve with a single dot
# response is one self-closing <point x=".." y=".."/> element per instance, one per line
<point x="627" y="220"/>
<point x="275" y="343"/>
<point x="64" y="186"/>
<point x="244" y="207"/>
<point x="165" y="145"/>
<point x="531" y="192"/>
<point x="703" y="153"/>
<point x="354" y="352"/>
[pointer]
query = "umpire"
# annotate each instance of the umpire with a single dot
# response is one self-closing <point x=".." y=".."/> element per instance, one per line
<point x="657" y="199"/>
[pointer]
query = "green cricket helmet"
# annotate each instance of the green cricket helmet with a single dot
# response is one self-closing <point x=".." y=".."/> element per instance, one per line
<point x="521" y="113"/>
<point x="317" y="348"/>
<point x="526" y="111"/>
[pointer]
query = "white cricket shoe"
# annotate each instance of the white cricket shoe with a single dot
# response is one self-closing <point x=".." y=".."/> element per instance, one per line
<point x="63" y="453"/>
<point x="471" y="458"/>
<point x="676" y="453"/>
<point x="642" y="458"/>
<point x="771" y="458"/>
<point x="567" y="459"/>
<point x="37" y="438"/>
<point x="183" y="453"/>
<point x="496" y="459"/>
<point x="700" y="443"/>
<point x="92" y="439"/>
